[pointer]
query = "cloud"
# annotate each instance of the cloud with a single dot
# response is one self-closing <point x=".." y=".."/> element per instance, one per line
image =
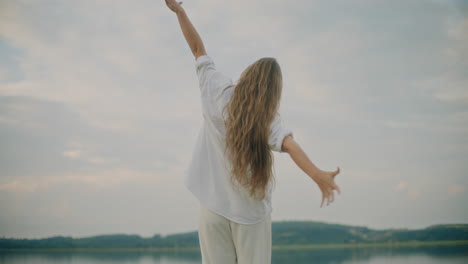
<point x="450" y="86"/>
<point x="410" y="190"/>
<point x="402" y="186"/>
<point x="456" y="188"/>
<point x="99" y="103"/>
<point x="41" y="137"/>
<point x="72" y="154"/>
<point x="414" y="192"/>
<point x="19" y="186"/>
<point x="458" y="33"/>
<point x="95" y="179"/>
<point x="79" y="151"/>
<point x="79" y="154"/>
<point x="82" y="49"/>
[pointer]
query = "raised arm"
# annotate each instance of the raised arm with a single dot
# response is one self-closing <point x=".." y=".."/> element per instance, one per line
<point x="190" y="33"/>
<point x="324" y="179"/>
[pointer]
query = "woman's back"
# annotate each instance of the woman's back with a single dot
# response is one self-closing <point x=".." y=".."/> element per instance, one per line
<point x="208" y="175"/>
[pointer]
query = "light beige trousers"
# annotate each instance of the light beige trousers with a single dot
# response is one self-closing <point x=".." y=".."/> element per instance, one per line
<point x="223" y="241"/>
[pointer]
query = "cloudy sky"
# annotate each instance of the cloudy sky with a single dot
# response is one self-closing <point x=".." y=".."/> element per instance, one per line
<point x="100" y="110"/>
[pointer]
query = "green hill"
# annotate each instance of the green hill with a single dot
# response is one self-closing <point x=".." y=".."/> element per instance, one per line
<point x="283" y="233"/>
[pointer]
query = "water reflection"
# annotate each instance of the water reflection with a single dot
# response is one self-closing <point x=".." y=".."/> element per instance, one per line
<point x="430" y="254"/>
<point x="370" y="255"/>
<point x="78" y="257"/>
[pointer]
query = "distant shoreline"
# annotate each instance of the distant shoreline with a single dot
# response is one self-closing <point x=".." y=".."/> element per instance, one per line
<point x="274" y="247"/>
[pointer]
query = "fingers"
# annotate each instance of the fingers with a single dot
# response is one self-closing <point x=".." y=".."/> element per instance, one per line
<point x="325" y="196"/>
<point x="338" y="189"/>
<point x="336" y="172"/>
<point x="328" y="197"/>
<point x="334" y="185"/>
<point x="328" y="189"/>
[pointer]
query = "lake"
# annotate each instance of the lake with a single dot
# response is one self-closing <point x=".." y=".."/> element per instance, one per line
<point x="368" y="255"/>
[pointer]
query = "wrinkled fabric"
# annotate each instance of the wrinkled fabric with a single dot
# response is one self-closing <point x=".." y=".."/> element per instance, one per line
<point x="227" y="242"/>
<point x="207" y="175"/>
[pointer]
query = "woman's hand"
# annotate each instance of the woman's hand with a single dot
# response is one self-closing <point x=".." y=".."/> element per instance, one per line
<point x="326" y="182"/>
<point x="174" y="5"/>
<point x="324" y="179"/>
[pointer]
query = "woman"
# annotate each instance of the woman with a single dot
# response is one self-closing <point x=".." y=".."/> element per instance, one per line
<point x="231" y="171"/>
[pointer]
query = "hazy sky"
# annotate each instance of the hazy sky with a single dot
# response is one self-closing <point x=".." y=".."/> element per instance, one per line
<point x="100" y="110"/>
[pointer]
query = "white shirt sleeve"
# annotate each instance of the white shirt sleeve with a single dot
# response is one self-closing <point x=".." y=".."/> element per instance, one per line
<point x="277" y="134"/>
<point x="210" y="80"/>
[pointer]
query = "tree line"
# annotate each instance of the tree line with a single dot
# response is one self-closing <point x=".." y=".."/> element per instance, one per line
<point x="283" y="233"/>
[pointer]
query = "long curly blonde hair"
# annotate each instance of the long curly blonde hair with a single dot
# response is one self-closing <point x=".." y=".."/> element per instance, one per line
<point x="254" y="103"/>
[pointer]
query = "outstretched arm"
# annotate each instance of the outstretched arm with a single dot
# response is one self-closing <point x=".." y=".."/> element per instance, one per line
<point x="324" y="179"/>
<point x="189" y="31"/>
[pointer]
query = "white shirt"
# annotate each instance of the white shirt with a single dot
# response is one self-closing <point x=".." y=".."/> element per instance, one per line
<point x="208" y="176"/>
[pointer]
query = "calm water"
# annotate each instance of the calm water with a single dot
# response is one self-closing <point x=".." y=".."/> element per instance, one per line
<point x="426" y="255"/>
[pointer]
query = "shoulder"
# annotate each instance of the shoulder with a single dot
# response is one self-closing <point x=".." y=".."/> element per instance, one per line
<point x="211" y="79"/>
<point x="206" y="65"/>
